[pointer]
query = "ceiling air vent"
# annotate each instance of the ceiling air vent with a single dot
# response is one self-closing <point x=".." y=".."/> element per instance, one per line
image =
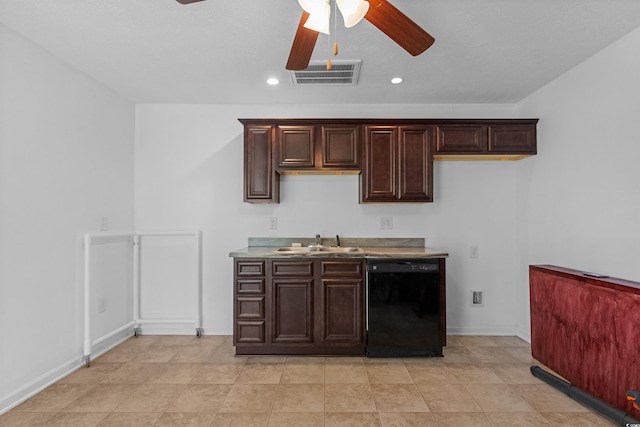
<point x="342" y="72"/>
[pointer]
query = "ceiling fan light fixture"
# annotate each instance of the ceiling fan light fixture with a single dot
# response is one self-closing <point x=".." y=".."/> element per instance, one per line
<point x="319" y="19"/>
<point x="310" y="6"/>
<point x="353" y="11"/>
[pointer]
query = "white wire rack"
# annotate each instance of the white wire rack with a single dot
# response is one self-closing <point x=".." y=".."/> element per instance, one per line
<point x="136" y="321"/>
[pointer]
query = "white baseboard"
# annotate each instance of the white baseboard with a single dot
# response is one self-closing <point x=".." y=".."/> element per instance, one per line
<point x="496" y="331"/>
<point x="56" y="374"/>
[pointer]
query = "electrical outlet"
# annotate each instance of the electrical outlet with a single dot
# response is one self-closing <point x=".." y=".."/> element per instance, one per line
<point x="102" y="305"/>
<point x="474" y="252"/>
<point x="477" y="298"/>
<point x="104" y="223"/>
<point x="386" y="223"/>
<point x="273" y="222"/>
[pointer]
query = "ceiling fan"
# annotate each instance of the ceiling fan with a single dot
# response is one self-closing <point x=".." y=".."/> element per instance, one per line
<point x="382" y="14"/>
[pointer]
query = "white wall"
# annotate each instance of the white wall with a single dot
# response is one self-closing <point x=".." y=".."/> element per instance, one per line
<point x="189" y="176"/>
<point x="580" y="197"/>
<point x="66" y="160"/>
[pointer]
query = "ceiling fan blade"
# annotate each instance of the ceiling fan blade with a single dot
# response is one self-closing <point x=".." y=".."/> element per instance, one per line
<point x="399" y="27"/>
<point x="303" y="44"/>
<point x="187" y="1"/>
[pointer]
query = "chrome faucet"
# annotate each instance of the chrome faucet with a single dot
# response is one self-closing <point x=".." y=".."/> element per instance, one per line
<point x="318" y="240"/>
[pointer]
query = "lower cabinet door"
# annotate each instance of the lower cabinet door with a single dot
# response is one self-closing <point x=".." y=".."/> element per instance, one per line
<point x="342" y="311"/>
<point x="292" y="310"/>
<point x="249" y="332"/>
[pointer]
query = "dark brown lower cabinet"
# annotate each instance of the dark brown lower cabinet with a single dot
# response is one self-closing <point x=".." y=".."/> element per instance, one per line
<point x="311" y="306"/>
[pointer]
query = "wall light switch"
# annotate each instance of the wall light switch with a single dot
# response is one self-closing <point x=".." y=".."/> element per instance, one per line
<point x="273" y="222"/>
<point x="104" y="223"/>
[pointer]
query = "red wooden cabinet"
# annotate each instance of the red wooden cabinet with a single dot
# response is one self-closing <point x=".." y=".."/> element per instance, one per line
<point x="587" y="330"/>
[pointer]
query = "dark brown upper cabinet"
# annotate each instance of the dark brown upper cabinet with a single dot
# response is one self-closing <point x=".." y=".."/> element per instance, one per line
<point x="488" y="140"/>
<point x="261" y="183"/>
<point x="398" y="165"/>
<point x="341" y="147"/>
<point x="296" y="147"/>
<point x="395" y="156"/>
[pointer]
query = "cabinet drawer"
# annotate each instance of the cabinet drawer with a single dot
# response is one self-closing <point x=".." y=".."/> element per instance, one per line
<point x="250" y="307"/>
<point x="283" y="268"/>
<point x="250" y="268"/>
<point x="342" y="268"/>
<point x="250" y="286"/>
<point x="249" y="332"/>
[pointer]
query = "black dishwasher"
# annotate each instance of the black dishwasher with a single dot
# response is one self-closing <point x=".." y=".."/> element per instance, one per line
<point x="405" y="307"/>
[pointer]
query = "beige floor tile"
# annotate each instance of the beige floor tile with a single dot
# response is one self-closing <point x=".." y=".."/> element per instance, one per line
<point x="191" y="419"/>
<point x="151" y="398"/>
<point x="193" y="354"/>
<point x="576" y="419"/>
<point x="544" y="398"/>
<point x="454" y="340"/>
<point x="509" y="341"/>
<point x="351" y="419"/>
<point x="431" y="374"/>
<point x="240" y="420"/>
<point x="392" y="373"/>
<point x="515" y="374"/>
<point x="140" y="341"/>
<point x="173" y="340"/>
<point x="518" y="419"/>
<point x="102" y="398"/>
<point x="475" y="340"/>
<point x="348" y="398"/>
<point x="226" y="355"/>
<point x="299" y="398"/>
<point x="74" y="419"/>
<point x="260" y="373"/>
<point x="261" y="360"/>
<point x="459" y="354"/>
<point x="304" y="360"/>
<point x="448" y="398"/>
<point x="136" y="373"/>
<point x="123" y="419"/>
<point x="217" y="373"/>
<point x="497" y="398"/>
<point x="303" y="374"/>
<point x="53" y="398"/>
<point x="25" y="419"/>
<point x="465" y="419"/>
<point x="522" y="354"/>
<point x="156" y="354"/>
<point x="299" y="419"/>
<point x="120" y="354"/>
<point x="424" y="361"/>
<point x="176" y="373"/>
<point x="398" y="398"/>
<point x="347" y="373"/>
<point x="407" y="419"/>
<point x="95" y="374"/>
<point x="344" y="360"/>
<point x="474" y="374"/>
<point x="250" y="398"/>
<point x="493" y="355"/>
<point x="200" y="398"/>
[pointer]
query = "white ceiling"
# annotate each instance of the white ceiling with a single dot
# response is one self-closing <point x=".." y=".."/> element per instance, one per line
<point x="219" y="52"/>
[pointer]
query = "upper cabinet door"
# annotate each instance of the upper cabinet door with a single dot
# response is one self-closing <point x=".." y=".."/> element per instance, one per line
<point x="260" y="182"/>
<point x="415" y="170"/>
<point x="341" y="147"/>
<point x="296" y="146"/>
<point x="461" y="138"/>
<point x="380" y="175"/>
<point x="512" y="139"/>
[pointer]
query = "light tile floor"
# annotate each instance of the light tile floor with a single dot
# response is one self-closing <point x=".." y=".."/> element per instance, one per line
<point x="189" y="381"/>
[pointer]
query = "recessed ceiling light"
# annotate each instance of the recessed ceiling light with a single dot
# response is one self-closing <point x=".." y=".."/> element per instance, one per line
<point x="396" y="80"/>
<point x="272" y="81"/>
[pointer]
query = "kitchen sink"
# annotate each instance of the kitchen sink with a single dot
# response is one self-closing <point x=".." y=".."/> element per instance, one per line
<point x="319" y="249"/>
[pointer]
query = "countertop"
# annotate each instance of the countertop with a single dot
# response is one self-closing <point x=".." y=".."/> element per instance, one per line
<point x="369" y="248"/>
